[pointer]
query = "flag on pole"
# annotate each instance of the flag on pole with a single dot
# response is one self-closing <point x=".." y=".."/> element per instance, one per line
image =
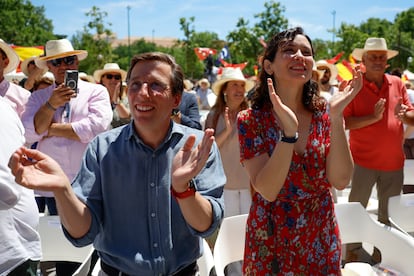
<point x="225" y="53"/>
<point x="26" y="52"/>
<point x="203" y="52"/>
<point x="335" y="58"/>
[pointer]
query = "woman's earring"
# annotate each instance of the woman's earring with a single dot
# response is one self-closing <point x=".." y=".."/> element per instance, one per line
<point x="225" y="97"/>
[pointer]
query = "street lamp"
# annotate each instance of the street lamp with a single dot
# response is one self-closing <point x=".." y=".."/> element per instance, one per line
<point x="129" y="35"/>
<point x="333" y="31"/>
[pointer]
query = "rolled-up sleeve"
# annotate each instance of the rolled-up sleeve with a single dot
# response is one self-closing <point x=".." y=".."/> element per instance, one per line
<point x="36" y="100"/>
<point x="99" y="115"/>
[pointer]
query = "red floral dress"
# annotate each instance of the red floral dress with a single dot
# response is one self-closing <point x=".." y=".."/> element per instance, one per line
<point x="297" y="234"/>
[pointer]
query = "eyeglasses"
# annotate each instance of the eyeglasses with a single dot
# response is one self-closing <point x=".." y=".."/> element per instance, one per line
<point x="155" y="87"/>
<point x="110" y="76"/>
<point x="31" y="63"/>
<point x="70" y="60"/>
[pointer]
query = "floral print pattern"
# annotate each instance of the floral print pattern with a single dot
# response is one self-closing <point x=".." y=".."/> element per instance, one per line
<point x="297" y="234"/>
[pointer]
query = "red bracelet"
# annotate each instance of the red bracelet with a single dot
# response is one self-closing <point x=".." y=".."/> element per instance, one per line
<point x="191" y="190"/>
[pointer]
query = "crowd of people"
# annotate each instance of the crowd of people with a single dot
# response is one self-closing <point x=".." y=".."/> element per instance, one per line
<point x="129" y="163"/>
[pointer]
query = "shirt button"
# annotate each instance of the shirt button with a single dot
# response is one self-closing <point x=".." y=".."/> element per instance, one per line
<point x="152" y="184"/>
<point x="153" y="215"/>
<point x="155" y="244"/>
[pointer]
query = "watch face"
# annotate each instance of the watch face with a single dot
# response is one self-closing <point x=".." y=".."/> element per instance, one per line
<point x="191" y="184"/>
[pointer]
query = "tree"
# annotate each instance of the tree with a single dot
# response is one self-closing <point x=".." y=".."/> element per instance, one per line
<point x="271" y="20"/>
<point x="95" y="38"/>
<point x="24" y="24"/>
<point x="245" y="41"/>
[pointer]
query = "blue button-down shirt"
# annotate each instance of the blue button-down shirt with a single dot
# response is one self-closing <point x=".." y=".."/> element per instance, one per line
<point x="137" y="227"/>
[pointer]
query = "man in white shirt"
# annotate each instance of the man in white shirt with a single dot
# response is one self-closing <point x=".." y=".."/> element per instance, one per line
<point x="20" y="249"/>
<point x="16" y="95"/>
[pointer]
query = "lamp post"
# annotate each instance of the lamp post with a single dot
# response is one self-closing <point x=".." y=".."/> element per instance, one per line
<point x="333" y="31"/>
<point x="129" y="35"/>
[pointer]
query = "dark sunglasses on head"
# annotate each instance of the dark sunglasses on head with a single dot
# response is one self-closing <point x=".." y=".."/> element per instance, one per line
<point x="70" y="60"/>
<point x="110" y="76"/>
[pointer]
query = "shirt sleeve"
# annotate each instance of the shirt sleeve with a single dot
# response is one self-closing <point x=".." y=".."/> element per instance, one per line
<point x="99" y="115"/>
<point x="251" y="140"/>
<point x="190" y="114"/>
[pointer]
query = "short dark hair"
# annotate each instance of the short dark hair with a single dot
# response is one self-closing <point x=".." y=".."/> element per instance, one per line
<point x="177" y="76"/>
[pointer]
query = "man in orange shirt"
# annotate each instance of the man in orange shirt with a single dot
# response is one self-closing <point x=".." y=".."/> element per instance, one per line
<point x="375" y="119"/>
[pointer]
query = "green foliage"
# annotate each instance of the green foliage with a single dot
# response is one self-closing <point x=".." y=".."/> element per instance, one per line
<point x="243" y="42"/>
<point x="95" y="38"/>
<point x="35" y="28"/>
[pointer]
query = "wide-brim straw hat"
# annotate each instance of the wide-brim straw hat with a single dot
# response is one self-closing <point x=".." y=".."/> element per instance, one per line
<point x="109" y="68"/>
<point x="60" y="48"/>
<point x="332" y="68"/>
<point x="11" y="55"/>
<point x="86" y="77"/>
<point x="25" y="63"/>
<point x="204" y="80"/>
<point x="232" y="74"/>
<point x="374" y="44"/>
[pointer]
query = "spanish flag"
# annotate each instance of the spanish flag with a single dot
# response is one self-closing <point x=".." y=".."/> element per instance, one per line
<point x="26" y="52"/>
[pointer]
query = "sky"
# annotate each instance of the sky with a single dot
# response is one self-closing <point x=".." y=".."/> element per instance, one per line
<point x="160" y="18"/>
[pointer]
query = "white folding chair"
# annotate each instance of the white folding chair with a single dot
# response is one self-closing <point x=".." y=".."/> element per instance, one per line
<point x="206" y="261"/>
<point x="55" y="246"/>
<point x="356" y="225"/>
<point x="401" y="212"/>
<point x="84" y="268"/>
<point x="229" y="246"/>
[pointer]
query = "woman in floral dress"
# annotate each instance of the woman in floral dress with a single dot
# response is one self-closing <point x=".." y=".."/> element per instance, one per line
<point x="294" y="151"/>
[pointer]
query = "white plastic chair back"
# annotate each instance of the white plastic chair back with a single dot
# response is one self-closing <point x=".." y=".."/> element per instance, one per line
<point x="55" y="246"/>
<point x="356" y="225"/>
<point x="84" y="268"/>
<point x="229" y="246"/>
<point x="401" y="212"/>
<point x="206" y="262"/>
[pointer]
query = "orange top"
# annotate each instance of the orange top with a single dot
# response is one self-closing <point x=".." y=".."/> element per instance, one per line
<point x="378" y="146"/>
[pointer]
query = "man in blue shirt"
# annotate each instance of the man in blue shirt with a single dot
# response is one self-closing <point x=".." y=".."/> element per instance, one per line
<point x="146" y="192"/>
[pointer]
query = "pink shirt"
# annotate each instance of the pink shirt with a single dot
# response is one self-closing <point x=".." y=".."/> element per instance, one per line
<point x="90" y="114"/>
<point x="16" y="95"/>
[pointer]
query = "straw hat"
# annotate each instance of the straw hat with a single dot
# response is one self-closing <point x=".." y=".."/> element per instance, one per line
<point x="25" y="63"/>
<point x="109" y="68"/>
<point x="60" y="48"/>
<point x="318" y="72"/>
<point x="332" y="68"/>
<point x="374" y="44"/>
<point x="231" y="74"/>
<point x="204" y="80"/>
<point x="85" y="77"/>
<point x="188" y="85"/>
<point x="11" y="55"/>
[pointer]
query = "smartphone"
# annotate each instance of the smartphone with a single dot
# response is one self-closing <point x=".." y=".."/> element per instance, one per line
<point x="71" y="80"/>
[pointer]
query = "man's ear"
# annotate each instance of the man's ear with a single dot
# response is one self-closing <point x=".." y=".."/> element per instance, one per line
<point x="267" y="66"/>
<point x="177" y="100"/>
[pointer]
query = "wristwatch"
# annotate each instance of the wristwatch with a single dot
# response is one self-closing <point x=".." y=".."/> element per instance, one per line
<point x="187" y="193"/>
<point x="290" y="140"/>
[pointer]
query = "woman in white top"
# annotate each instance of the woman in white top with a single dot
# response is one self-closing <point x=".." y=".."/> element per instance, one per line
<point x="231" y="90"/>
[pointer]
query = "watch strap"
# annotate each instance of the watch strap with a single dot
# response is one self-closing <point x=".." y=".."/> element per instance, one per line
<point x="191" y="190"/>
<point x="290" y="140"/>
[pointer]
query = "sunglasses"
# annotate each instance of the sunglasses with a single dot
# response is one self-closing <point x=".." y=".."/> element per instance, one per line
<point x="31" y="63"/>
<point x="110" y="76"/>
<point x="70" y="60"/>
